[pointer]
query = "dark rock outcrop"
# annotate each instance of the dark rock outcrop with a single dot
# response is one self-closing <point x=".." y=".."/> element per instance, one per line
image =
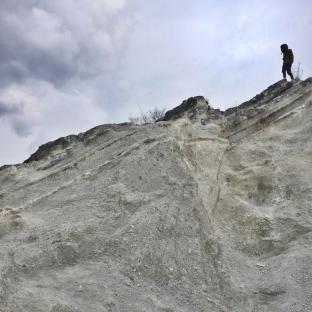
<point x="188" y="106"/>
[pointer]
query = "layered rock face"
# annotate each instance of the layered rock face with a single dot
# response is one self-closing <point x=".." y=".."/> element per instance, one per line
<point x="202" y="211"/>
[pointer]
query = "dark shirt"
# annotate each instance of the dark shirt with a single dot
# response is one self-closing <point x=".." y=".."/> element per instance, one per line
<point x="288" y="57"/>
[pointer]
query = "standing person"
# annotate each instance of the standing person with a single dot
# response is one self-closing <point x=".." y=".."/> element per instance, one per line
<point x="288" y="59"/>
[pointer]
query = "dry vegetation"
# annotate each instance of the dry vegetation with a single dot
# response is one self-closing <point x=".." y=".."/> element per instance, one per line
<point x="149" y="117"/>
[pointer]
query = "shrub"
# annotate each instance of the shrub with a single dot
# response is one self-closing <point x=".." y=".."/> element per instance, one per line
<point x="149" y="117"/>
<point x="298" y="71"/>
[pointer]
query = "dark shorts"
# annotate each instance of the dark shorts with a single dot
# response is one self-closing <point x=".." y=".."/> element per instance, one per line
<point x="286" y="67"/>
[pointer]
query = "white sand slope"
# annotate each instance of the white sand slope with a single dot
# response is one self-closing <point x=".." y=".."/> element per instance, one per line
<point x="205" y="211"/>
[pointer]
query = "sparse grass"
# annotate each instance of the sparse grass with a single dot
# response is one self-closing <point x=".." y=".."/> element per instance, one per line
<point x="150" y="117"/>
<point x="298" y="72"/>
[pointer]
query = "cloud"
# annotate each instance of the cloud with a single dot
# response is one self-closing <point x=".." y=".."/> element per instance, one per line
<point x="20" y="108"/>
<point x="42" y="106"/>
<point x="51" y="55"/>
<point x="59" y="40"/>
<point x="6" y="109"/>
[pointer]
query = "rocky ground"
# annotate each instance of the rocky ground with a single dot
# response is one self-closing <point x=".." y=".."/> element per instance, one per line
<point x="204" y="211"/>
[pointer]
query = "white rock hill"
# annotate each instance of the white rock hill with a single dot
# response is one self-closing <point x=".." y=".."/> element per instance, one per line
<point x="205" y="211"/>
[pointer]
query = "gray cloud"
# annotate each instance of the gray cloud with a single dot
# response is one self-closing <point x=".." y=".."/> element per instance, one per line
<point x="51" y="52"/>
<point x="22" y="127"/>
<point x="6" y="109"/>
<point x="14" y="112"/>
<point x="57" y="41"/>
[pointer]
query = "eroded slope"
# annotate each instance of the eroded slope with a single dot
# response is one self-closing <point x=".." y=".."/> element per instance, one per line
<point x="204" y="211"/>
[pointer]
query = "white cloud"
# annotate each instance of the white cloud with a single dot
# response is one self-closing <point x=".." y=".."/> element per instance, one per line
<point x="41" y="105"/>
<point x="111" y="6"/>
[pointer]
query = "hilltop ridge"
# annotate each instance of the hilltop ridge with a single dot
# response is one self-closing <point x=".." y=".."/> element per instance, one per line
<point x="194" y="106"/>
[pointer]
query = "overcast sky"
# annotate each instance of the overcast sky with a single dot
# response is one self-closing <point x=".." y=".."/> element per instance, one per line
<point x="69" y="65"/>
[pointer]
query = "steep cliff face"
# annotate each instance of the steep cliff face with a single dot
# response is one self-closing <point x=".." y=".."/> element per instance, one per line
<point x="202" y="211"/>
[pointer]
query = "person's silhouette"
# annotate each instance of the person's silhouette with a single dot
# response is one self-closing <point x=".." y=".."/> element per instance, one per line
<point x="288" y="59"/>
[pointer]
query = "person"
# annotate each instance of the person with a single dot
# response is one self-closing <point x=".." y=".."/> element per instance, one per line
<point x="288" y="59"/>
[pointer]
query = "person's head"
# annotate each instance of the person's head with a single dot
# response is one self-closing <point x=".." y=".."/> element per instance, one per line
<point x="284" y="47"/>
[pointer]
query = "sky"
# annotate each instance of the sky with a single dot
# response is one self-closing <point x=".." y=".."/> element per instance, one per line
<point x="69" y="65"/>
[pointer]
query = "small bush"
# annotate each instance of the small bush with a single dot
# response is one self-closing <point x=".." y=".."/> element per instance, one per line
<point x="150" y="117"/>
<point x="298" y="71"/>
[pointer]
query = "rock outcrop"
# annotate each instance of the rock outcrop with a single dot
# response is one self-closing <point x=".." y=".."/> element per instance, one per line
<point x="203" y="211"/>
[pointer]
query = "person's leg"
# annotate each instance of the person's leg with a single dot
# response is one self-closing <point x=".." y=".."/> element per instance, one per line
<point x="284" y="71"/>
<point x="289" y="72"/>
